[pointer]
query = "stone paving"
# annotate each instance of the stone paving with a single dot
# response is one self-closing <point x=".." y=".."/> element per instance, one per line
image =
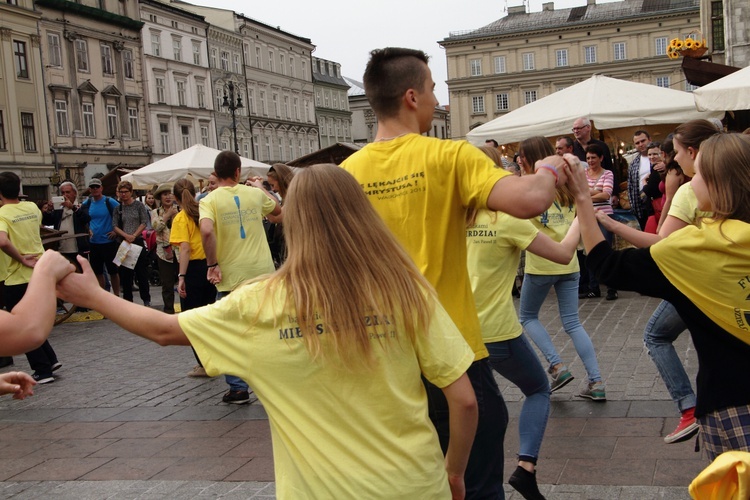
<point x="123" y="421"/>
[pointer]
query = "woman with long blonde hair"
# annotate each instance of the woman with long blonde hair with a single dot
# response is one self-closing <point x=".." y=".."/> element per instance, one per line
<point x="192" y="286"/>
<point x="702" y="271"/>
<point x="334" y="345"/>
<point x="542" y="275"/>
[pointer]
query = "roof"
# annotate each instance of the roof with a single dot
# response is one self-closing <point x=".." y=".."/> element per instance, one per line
<point x="576" y="16"/>
<point x="355" y="87"/>
<point x="327" y="77"/>
<point x="335" y="153"/>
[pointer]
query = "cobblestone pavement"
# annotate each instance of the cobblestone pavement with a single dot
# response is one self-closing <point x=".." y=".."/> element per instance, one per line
<point x="123" y="421"/>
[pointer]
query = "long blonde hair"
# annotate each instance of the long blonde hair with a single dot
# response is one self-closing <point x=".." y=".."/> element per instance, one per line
<point x="345" y="265"/>
<point x="725" y="168"/>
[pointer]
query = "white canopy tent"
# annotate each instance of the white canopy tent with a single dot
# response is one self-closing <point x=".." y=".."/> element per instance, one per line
<point x="730" y="93"/>
<point x="198" y="161"/>
<point x="608" y="102"/>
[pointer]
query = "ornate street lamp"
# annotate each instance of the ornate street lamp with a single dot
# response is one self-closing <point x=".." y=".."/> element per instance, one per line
<point x="233" y="105"/>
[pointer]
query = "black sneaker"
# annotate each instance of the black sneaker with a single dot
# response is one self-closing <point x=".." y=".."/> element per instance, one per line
<point x="236" y="397"/>
<point x="56" y="366"/>
<point x="611" y="294"/>
<point x="43" y="379"/>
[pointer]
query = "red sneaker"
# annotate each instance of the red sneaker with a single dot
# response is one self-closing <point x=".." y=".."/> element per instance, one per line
<point x="687" y="428"/>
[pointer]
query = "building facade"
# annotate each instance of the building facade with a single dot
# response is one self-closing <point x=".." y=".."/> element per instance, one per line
<point x="91" y="57"/>
<point x="24" y="141"/>
<point x="524" y="56"/>
<point x="177" y="80"/>
<point x="331" y="103"/>
<point x="724" y="24"/>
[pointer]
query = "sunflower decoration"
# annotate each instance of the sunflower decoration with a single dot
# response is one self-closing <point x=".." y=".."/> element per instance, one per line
<point x="687" y="47"/>
<point x="689" y="44"/>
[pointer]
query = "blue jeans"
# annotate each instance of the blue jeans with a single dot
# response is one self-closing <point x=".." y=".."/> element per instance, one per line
<point x="235" y="383"/>
<point x="516" y="360"/>
<point x="662" y="329"/>
<point x="484" y="472"/>
<point x="533" y="293"/>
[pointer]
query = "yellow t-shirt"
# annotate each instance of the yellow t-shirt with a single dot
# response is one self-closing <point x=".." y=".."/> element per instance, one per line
<point x="21" y="221"/>
<point x="336" y="434"/>
<point x="184" y="230"/>
<point x="4" y="265"/>
<point x="241" y="246"/>
<point x="685" y="206"/>
<point x="421" y="187"/>
<point x="555" y="223"/>
<point x="494" y="245"/>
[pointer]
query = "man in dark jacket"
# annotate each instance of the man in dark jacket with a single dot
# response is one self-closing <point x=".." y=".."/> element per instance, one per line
<point x="73" y="219"/>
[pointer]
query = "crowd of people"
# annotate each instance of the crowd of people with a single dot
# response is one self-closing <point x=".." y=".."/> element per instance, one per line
<point x="382" y="289"/>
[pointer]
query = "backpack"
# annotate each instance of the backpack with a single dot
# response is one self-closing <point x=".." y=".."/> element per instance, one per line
<point x="87" y="204"/>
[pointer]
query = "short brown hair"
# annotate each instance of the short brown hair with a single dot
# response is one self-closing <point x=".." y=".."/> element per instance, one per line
<point x="226" y="164"/>
<point x="125" y="184"/>
<point x="389" y="74"/>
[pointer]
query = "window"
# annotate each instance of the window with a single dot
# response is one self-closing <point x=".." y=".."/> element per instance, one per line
<point x="177" y="48"/>
<point x="275" y="100"/>
<point x="256" y="147"/>
<point x="61" y="117"/>
<point x="251" y="101"/>
<point x="500" y="64"/>
<point x="322" y="125"/>
<point x="618" y="49"/>
<point x="291" y="148"/>
<point x="268" y="148"/>
<point x="689" y="87"/>
<point x="281" y="150"/>
<point x="327" y="99"/>
<point x="528" y="61"/>
<point x="204" y="135"/>
<point x="336" y="100"/>
<point x="661" y="46"/>
<point x="127" y="63"/>
<point x="133" y="122"/>
<point x="270" y="60"/>
<point x="3" y="144"/>
<point x="194" y="29"/>
<point x="87" y="110"/>
<point x="501" y="102"/>
<point x="476" y="67"/>
<point x="246" y="52"/>
<point x="225" y="60"/>
<point x="197" y="53"/>
<point x="258" y="63"/>
<point x="181" y="92"/>
<point x="27" y="132"/>
<point x="200" y="94"/>
<point x="307" y="111"/>
<point x="589" y="56"/>
<point x="82" y="55"/>
<point x="304" y="69"/>
<point x="717" y="25"/>
<point x="477" y="104"/>
<point x="561" y="56"/>
<point x="161" y="94"/>
<point x="213" y="58"/>
<point x="185" y="133"/>
<point x="262" y="99"/>
<point x="662" y="81"/>
<point x="152" y="18"/>
<point x="219" y="100"/>
<point x="317" y="98"/>
<point x="22" y="64"/>
<point x="296" y="108"/>
<point x="55" y="51"/>
<point x="322" y="67"/>
<point x="164" y="136"/>
<point x="292" y="70"/>
<point x="175" y="24"/>
<point x="111" y="121"/>
<point x="156" y="43"/>
<point x="529" y="96"/>
<point x="287" y="115"/>
<point x="282" y="64"/>
<point x="236" y="63"/>
<point x="107" y="67"/>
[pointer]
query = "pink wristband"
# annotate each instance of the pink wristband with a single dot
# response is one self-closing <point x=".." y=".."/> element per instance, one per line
<point x="552" y="169"/>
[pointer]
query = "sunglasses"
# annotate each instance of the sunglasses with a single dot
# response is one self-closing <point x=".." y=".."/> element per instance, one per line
<point x="95" y="187"/>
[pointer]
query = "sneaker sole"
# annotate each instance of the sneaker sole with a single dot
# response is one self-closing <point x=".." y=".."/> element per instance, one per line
<point x="593" y="397"/>
<point x="47" y="380"/>
<point x="56" y="366"/>
<point x="243" y="402"/>
<point x="683" y="435"/>
<point x="562" y="384"/>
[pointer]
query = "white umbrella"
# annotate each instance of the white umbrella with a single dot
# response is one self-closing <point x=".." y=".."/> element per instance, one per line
<point x="198" y="161"/>
<point x="729" y="93"/>
<point x="608" y="102"/>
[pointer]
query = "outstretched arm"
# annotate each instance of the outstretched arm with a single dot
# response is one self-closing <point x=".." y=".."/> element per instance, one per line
<point x="560" y="252"/>
<point x="84" y="290"/>
<point x="27" y="326"/>
<point x="463" y="415"/>
<point x="579" y="186"/>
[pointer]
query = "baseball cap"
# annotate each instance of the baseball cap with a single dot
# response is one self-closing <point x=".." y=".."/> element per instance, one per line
<point x="95" y="182"/>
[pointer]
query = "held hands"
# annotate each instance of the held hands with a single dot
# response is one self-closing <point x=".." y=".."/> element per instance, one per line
<point x="554" y="165"/>
<point x="129" y="238"/>
<point x="54" y="264"/>
<point x="608" y="223"/>
<point x="255" y="181"/>
<point x="19" y="384"/>
<point x="80" y="289"/>
<point x="576" y="176"/>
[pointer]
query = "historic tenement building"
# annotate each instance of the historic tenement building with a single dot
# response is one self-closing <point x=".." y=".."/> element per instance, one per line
<point x="93" y="85"/>
<point x="277" y="120"/>
<point x="177" y="79"/>
<point x="331" y="103"/>
<point x="726" y="27"/>
<point x="24" y="141"/>
<point x="525" y="56"/>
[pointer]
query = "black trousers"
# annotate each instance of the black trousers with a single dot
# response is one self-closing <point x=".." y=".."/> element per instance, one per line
<point x="198" y="290"/>
<point x="141" y="274"/>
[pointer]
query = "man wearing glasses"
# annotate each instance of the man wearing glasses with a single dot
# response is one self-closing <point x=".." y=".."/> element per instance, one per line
<point x="103" y="246"/>
<point x="582" y="133"/>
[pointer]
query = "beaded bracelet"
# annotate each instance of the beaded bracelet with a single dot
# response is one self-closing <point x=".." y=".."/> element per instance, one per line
<point x="552" y="169"/>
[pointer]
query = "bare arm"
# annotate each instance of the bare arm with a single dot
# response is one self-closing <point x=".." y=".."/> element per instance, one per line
<point x="523" y="197"/>
<point x="463" y="415"/>
<point x="635" y="236"/>
<point x="27" y="326"/>
<point x="183" y="265"/>
<point x="208" y="238"/>
<point x="7" y="246"/>
<point x="562" y="252"/>
<point x="671" y="224"/>
<point x="157" y="326"/>
<point x="579" y="186"/>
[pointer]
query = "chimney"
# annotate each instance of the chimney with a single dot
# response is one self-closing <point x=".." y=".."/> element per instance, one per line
<point x="518" y="9"/>
<point x="549" y="6"/>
